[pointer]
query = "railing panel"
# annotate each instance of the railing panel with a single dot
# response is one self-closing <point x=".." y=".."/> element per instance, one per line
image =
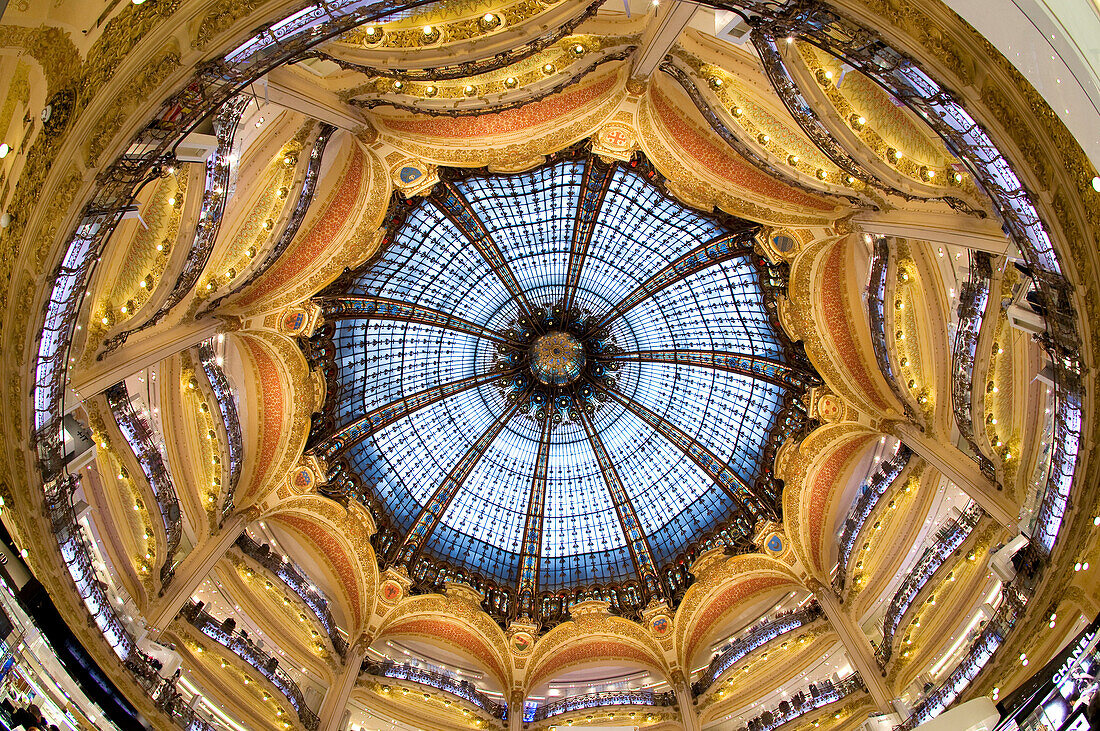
<point x="298" y="583"/>
<point x="139" y="435"/>
<point x="946" y="540"/>
<point x="227" y="406"/>
<point x="973" y="300"/>
<point x="781" y="624"/>
<point x="267" y="665"/>
<point x="598" y="700"/>
<point x="803" y="702"/>
<point x="861" y="510"/>
<point x="440" y="681"/>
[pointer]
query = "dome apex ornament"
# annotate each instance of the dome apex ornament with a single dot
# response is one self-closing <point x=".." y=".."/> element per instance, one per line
<point x="560" y="365"/>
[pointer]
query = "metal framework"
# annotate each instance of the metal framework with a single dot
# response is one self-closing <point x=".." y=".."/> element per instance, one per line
<point x="434" y="335"/>
<point x="973" y="301"/>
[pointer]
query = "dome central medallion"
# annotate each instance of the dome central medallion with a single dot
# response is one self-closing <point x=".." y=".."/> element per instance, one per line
<point x="557" y="385"/>
<point x="556" y="359"/>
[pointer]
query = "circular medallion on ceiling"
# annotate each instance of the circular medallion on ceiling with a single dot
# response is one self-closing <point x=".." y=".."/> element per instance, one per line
<point x="557" y="385"/>
<point x="556" y="358"/>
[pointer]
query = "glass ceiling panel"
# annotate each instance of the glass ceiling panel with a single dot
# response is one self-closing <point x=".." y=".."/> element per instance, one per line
<point x="530" y="219"/>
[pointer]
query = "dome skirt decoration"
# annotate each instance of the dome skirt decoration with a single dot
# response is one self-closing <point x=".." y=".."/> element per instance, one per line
<point x="558" y="385"/>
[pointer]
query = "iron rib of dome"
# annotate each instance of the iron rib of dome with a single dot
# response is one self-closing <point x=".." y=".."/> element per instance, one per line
<point x="556" y="385"/>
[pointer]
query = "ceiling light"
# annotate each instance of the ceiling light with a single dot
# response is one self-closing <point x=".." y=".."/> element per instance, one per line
<point x="469" y="90"/>
<point x="430" y="90"/>
<point x="4" y="150"/>
<point x="511" y="82"/>
<point x="1096" y="184"/>
<point x="548" y="69"/>
<point x="488" y="21"/>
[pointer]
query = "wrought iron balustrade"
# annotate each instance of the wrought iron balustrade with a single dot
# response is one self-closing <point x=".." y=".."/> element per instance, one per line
<point x="227" y="405"/>
<point x="298" y="583"/>
<point x="77" y="557"/>
<point x="887" y="472"/>
<point x="603" y="698"/>
<point x="267" y="665"/>
<point x="946" y="540"/>
<point x="440" y="681"/>
<point x="804" y="702"/>
<point x="976" y="658"/>
<point x="876" y="313"/>
<point x="297" y="216"/>
<point x="139" y="435"/>
<point x="973" y="300"/>
<point x="759" y="636"/>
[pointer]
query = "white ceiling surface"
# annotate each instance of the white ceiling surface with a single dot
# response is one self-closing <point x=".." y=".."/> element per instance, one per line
<point x="1055" y="44"/>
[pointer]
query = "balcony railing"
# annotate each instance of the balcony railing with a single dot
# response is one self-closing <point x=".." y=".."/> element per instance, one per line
<point x="242" y="647"/>
<point x="463" y="689"/>
<point x="887" y="472"/>
<point x="77" y="557"/>
<point x="876" y="313"/>
<point x="598" y="700"/>
<point x="227" y="405"/>
<point x="139" y="435"/>
<point x="946" y="540"/>
<point x="973" y="300"/>
<point x="298" y="583"/>
<point x="803" y="702"/>
<point x="976" y="658"/>
<point x="759" y="636"/>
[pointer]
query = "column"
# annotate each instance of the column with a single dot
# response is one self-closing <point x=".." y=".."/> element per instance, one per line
<point x="192" y="570"/>
<point x="661" y="34"/>
<point x="515" y="711"/>
<point x="961" y="470"/>
<point x="688" y="715"/>
<point x="857" y="646"/>
<point x="287" y="89"/>
<point x="140" y="351"/>
<point x="336" y="698"/>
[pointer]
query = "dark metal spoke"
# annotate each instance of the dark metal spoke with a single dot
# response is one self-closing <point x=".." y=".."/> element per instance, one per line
<point x="597" y="179"/>
<point x="447" y="198"/>
<point x="754" y="366"/>
<point x="385" y="415"/>
<point x="636" y="540"/>
<point x="383" y="308"/>
<point x="717" y="250"/>
<point x="433" y="510"/>
<point x="718" y="471"/>
<point x="531" y="549"/>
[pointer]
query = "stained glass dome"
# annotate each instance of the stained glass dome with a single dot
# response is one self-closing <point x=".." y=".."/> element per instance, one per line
<point x="558" y="382"/>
